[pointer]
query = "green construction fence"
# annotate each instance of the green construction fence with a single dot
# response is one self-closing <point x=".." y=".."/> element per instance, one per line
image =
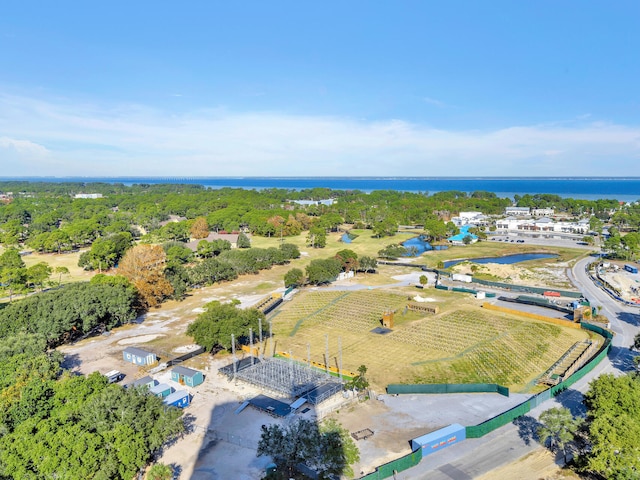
<point x="388" y="469"/>
<point x="476" y="431"/>
<point x="403" y="389"/>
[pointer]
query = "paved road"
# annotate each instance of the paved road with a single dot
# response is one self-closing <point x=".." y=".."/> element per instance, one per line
<point x="475" y="457"/>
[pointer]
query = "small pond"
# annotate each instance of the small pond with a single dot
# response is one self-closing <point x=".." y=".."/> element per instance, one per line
<point x="506" y="260"/>
<point x="420" y="245"/>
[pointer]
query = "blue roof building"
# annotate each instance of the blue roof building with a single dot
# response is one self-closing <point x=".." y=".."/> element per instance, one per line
<point x="179" y="399"/>
<point x="162" y="390"/>
<point x="139" y="356"/>
<point x="142" y="382"/>
<point x="186" y="376"/>
<point x="459" y="238"/>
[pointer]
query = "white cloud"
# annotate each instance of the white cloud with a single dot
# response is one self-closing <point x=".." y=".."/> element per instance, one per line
<point x="435" y="102"/>
<point x="62" y="137"/>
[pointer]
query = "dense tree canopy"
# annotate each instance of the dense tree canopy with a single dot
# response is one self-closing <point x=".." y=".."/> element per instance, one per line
<point x="73" y="310"/>
<point x="613" y="415"/>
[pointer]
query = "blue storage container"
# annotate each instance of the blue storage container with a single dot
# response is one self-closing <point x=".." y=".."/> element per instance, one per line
<point x="439" y="439"/>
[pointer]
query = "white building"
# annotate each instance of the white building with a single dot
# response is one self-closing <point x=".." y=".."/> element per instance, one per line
<point x="88" y="195"/>
<point x="542" y="212"/>
<point x="544" y="224"/>
<point x="469" y="218"/>
<point x="517" y="211"/>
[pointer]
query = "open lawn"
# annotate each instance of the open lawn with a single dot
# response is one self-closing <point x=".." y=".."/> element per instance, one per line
<point x="462" y="344"/>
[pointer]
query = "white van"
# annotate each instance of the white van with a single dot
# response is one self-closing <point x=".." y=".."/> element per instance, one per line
<point x="114" y="376"/>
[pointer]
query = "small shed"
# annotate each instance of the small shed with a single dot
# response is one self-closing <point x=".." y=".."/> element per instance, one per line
<point x="162" y="390"/>
<point x="186" y="376"/>
<point x="143" y="382"/>
<point x="179" y="399"/>
<point x="138" y="356"/>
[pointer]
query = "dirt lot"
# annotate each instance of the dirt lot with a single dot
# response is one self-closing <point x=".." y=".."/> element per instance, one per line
<point x="627" y="283"/>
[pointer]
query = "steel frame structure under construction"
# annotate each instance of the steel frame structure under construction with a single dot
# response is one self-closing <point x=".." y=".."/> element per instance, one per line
<point x="286" y="377"/>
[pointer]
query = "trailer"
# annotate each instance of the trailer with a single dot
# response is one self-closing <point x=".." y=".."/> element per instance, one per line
<point x="630" y="268"/>
<point x="114" y="376"/>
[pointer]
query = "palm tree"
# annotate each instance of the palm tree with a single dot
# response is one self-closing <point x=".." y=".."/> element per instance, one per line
<point x="160" y="471"/>
<point x="558" y="428"/>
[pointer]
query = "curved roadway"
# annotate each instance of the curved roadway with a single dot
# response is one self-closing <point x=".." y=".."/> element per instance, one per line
<point x="475" y="457"/>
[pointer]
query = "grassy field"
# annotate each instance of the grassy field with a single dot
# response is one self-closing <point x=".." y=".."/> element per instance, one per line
<point x="462" y="344"/>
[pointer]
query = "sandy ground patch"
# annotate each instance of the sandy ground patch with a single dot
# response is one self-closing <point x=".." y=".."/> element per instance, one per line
<point x="139" y="339"/>
<point x="627" y="283"/>
<point x="550" y="276"/>
<point x="538" y="465"/>
<point x="186" y="348"/>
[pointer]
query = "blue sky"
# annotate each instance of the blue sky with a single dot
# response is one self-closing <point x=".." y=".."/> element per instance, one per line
<point x="320" y="88"/>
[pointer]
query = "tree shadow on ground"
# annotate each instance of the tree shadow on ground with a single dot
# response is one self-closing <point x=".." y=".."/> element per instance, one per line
<point x="177" y="471"/>
<point x="72" y="362"/>
<point x="630" y="318"/>
<point x="573" y="401"/>
<point x="527" y="428"/>
<point x="622" y="358"/>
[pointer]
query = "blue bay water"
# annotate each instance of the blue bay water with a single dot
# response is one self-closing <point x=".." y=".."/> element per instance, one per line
<point x="590" y="188"/>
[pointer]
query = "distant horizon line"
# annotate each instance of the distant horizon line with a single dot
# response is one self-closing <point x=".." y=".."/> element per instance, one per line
<point x="374" y="177"/>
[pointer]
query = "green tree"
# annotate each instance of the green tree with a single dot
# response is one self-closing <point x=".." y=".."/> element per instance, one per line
<point x="423" y="280"/>
<point x="558" y="428"/>
<point x="290" y="250"/>
<point x="348" y="447"/>
<point x="60" y="271"/>
<point x="614" y="425"/>
<point x="636" y="342"/>
<point x="348" y="259"/>
<point x="304" y="442"/>
<point x="39" y="273"/>
<point x="392" y="252"/>
<point x="367" y="264"/>
<point x="317" y="237"/>
<point x="12" y="272"/>
<point x="160" y="471"/>
<point x="243" y="241"/>
<point x="359" y="382"/>
<point x="323" y="271"/>
<point x="434" y="229"/>
<point x="213" y="328"/>
<point x="294" y="278"/>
